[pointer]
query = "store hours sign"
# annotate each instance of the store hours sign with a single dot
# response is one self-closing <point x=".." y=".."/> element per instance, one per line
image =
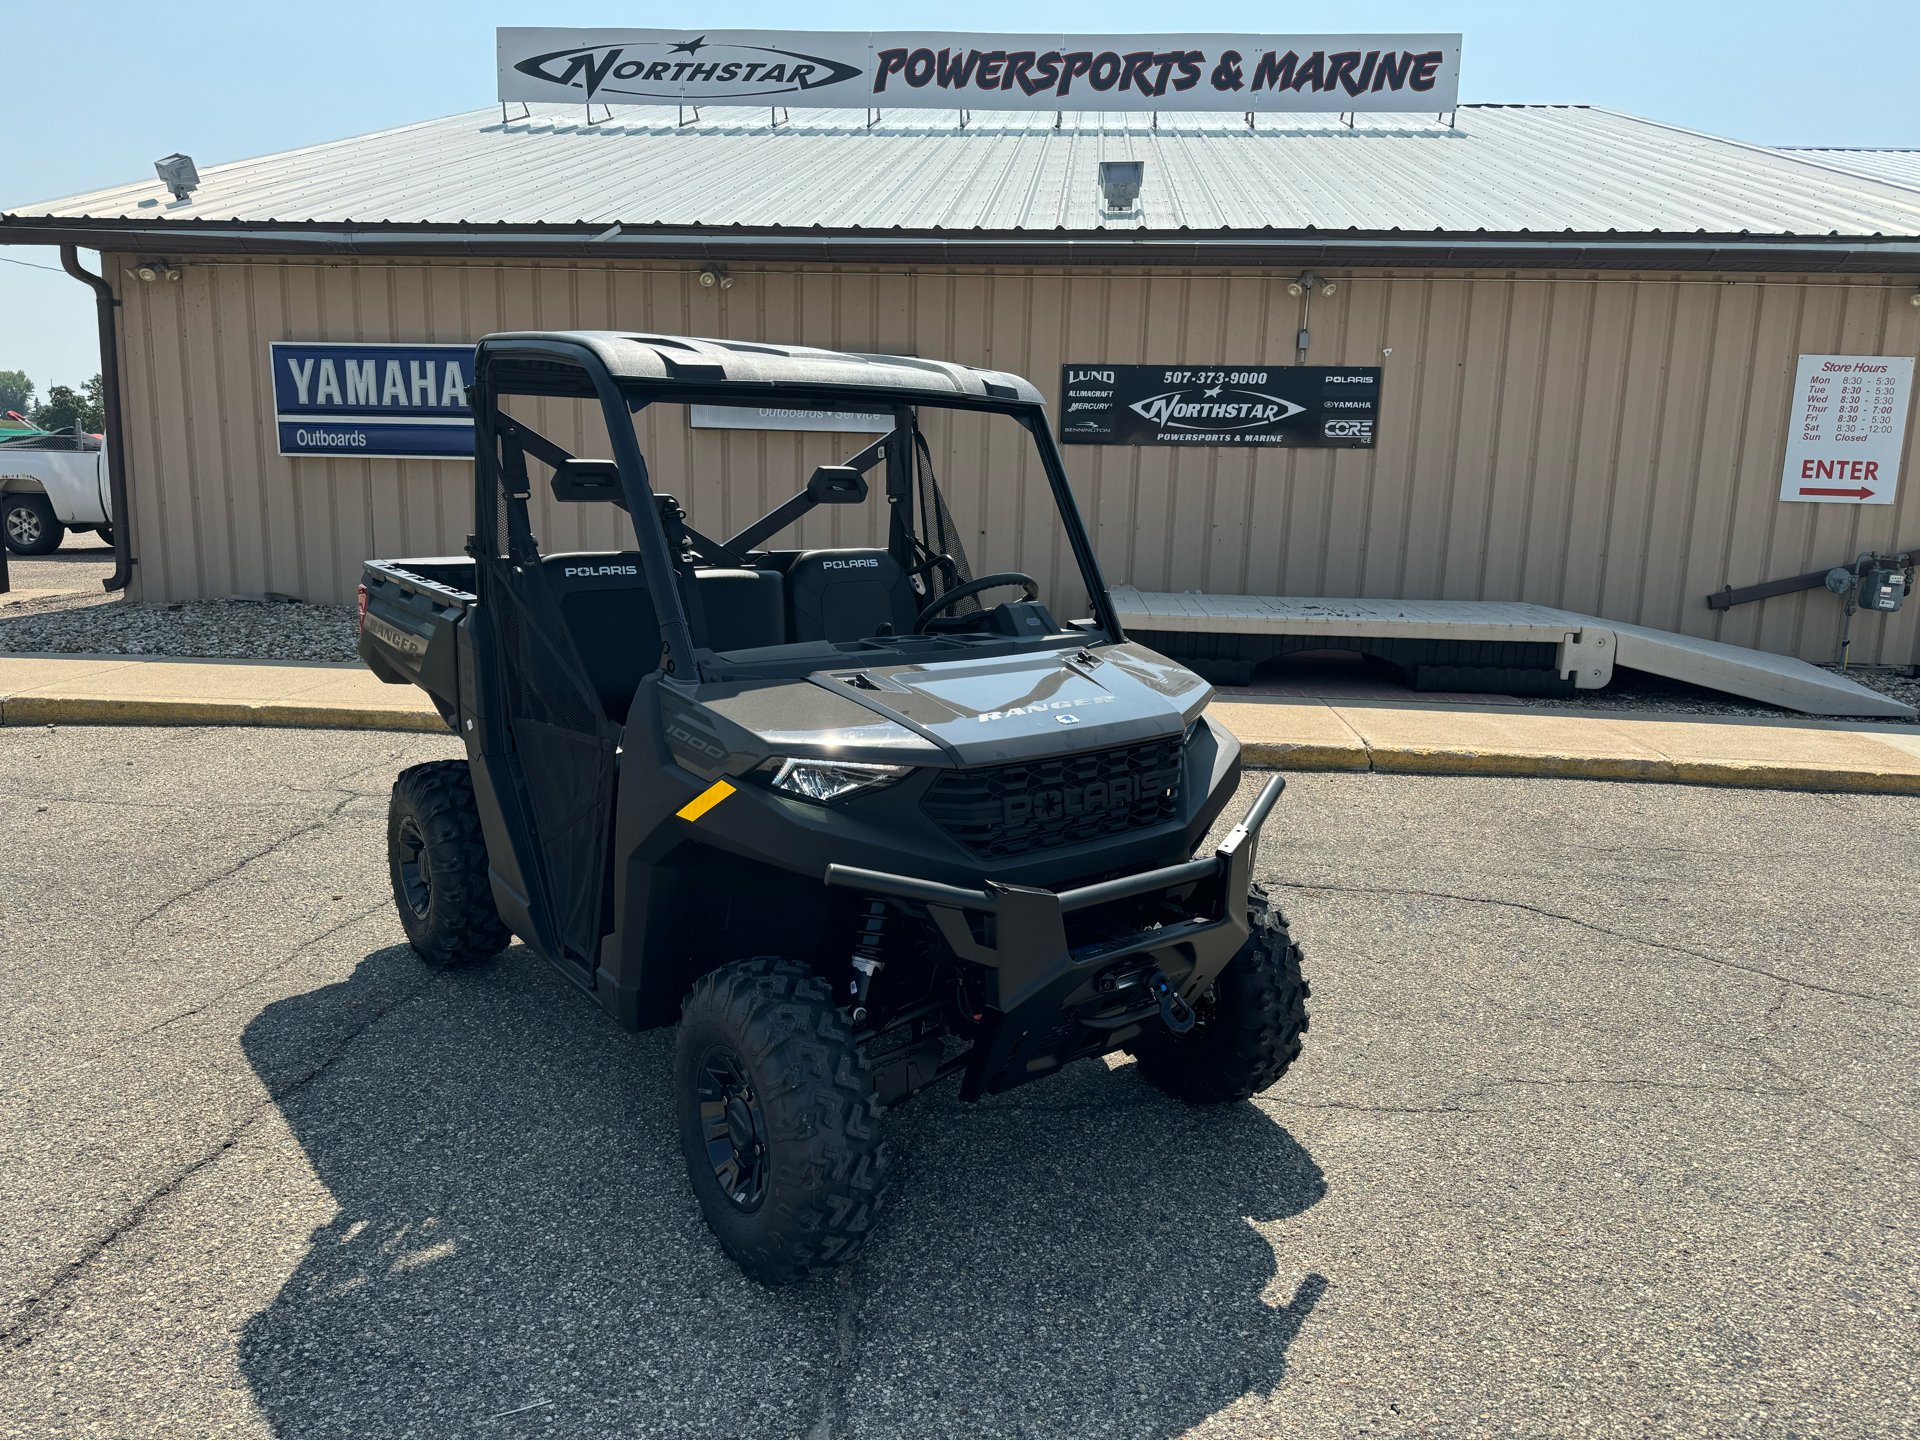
<point x="1845" y="431"/>
<point x="1321" y="406"/>
<point x="373" y="401"/>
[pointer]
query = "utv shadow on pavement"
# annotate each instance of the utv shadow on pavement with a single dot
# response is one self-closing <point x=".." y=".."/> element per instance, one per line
<point x="516" y="1230"/>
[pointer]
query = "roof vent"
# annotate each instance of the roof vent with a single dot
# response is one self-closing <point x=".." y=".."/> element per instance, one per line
<point x="178" y="174"/>
<point x="1121" y="183"/>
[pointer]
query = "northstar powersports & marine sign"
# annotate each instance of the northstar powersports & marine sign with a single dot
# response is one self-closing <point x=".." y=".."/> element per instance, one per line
<point x="944" y="70"/>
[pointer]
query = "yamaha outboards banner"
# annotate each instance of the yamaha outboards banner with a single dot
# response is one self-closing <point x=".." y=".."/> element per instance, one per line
<point x="1328" y="406"/>
<point x="389" y="402"/>
<point x="915" y="70"/>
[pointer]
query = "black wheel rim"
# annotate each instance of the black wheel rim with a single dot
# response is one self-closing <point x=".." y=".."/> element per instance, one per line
<point x="733" y="1127"/>
<point x="416" y="870"/>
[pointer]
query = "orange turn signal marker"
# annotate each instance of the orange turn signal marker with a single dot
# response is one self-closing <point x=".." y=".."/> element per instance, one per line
<point x="705" y="801"/>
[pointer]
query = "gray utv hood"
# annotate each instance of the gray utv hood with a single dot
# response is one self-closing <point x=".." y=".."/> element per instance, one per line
<point x="974" y="712"/>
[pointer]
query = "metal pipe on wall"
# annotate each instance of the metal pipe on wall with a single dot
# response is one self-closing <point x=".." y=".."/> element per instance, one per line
<point x="104" y="303"/>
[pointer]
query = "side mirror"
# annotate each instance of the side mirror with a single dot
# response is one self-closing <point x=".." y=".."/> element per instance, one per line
<point x="589" y="480"/>
<point x="836" y="485"/>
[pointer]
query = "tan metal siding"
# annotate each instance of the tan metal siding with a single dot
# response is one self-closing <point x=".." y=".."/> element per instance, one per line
<point x="1609" y="445"/>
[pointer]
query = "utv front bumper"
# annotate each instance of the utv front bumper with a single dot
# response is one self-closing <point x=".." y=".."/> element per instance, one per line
<point x="1047" y="1001"/>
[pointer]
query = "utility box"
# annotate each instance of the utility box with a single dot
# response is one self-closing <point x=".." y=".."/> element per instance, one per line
<point x="1883" y="588"/>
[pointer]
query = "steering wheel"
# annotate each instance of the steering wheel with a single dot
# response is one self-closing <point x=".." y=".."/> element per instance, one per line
<point x="974" y="587"/>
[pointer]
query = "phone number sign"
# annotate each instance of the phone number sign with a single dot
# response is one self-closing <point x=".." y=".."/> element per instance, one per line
<point x="1333" y="407"/>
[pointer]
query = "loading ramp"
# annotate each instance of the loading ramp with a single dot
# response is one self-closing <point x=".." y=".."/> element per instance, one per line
<point x="1509" y="646"/>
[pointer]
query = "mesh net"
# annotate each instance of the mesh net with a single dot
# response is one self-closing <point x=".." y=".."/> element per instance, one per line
<point x="561" y="732"/>
<point x="946" y="557"/>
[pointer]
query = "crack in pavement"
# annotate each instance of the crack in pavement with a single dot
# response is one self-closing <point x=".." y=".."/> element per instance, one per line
<point x="834" y="1390"/>
<point x="1603" y="930"/>
<point x="39" y="1306"/>
<point x="206" y="882"/>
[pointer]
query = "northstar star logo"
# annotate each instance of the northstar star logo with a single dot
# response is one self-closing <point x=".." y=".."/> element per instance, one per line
<point x="687" y="47"/>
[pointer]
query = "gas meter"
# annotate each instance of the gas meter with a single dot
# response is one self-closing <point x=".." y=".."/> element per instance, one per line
<point x="1882" y="588"/>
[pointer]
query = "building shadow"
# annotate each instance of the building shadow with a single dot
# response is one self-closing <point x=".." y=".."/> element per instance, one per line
<point x="517" y="1251"/>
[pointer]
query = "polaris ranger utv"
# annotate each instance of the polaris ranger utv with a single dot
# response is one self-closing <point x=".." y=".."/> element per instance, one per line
<point x="852" y="830"/>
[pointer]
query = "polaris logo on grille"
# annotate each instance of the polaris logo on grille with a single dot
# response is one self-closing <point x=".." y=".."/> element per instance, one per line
<point x="1094" y="798"/>
<point x="592" y="570"/>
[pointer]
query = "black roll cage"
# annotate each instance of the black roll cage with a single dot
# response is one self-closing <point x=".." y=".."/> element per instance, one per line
<point x="562" y="369"/>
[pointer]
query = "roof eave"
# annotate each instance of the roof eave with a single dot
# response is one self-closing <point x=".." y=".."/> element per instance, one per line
<point x="1608" y="251"/>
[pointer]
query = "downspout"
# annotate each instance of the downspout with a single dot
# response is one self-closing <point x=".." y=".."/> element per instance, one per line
<point x="110" y="395"/>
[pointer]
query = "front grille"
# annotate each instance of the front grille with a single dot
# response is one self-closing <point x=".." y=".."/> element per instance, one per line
<point x="1037" y="805"/>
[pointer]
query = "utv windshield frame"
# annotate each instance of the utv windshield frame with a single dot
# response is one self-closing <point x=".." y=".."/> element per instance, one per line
<point x="558" y="367"/>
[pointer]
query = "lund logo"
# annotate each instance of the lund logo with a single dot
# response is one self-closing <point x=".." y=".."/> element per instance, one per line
<point x="1214" y="407"/>
<point x="660" y="70"/>
<point x="1076" y="377"/>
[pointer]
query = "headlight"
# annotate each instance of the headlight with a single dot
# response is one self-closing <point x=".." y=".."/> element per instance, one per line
<point x="814" y="780"/>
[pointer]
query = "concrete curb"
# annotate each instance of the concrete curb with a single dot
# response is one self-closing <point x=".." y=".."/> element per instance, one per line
<point x="57" y="710"/>
<point x="29" y="710"/>
<point x="1434" y="761"/>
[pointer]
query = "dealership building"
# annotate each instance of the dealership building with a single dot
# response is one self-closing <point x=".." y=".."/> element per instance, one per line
<point x="1587" y="327"/>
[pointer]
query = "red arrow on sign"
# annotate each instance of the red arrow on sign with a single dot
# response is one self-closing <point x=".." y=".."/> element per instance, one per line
<point x="1862" y="494"/>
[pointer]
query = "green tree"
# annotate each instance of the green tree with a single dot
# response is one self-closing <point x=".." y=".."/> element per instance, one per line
<point x="16" y="392"/>
<point x="65" y="407"/>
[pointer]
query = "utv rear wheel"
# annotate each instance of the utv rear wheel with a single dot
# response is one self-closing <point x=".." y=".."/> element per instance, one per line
<point x="778" y="1119"/>
<point x="437" y="862"/>
<point x="1248" y="1026"/>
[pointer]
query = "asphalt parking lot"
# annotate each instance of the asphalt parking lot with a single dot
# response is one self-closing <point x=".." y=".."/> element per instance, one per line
<point x="1606" y="1125"/>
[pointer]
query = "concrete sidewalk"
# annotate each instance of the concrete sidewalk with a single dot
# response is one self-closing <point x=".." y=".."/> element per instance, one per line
<point x="1291" y="734"/>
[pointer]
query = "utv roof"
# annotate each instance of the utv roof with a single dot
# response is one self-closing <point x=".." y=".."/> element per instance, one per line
<point x="709" y="365"/>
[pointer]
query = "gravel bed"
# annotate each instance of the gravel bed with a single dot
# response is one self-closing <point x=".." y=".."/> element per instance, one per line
<point x="217" y="629"/>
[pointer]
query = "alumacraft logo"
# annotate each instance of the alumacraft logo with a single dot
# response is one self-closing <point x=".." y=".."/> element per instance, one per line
<point x="690" y="70"/>
<point x="1215" y="407"/>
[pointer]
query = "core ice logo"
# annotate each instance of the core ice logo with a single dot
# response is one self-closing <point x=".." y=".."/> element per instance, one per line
<point x="660" y="70"/>
<point x="1348" y="429"/>
<point x="1215" y="407"/>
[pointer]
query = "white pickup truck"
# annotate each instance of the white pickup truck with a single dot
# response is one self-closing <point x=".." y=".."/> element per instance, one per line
<point x="50" y="484"/>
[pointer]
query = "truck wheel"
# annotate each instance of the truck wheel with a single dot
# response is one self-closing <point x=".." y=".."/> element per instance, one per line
<point x="1248" y="1026"/>
<point x="29" y="523"/>
<point x="437" y="861"/>
<point x="778" y="1119"/>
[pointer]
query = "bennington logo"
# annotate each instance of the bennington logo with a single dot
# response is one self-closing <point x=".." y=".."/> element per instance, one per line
<point x="663" y="70"/>
<point x="850" y="564"/>
<point x="601" y="570"/>
<point x="1215" y="407"/>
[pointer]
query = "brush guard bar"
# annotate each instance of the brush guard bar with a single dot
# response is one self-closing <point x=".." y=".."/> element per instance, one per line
<point x="1043" y="1008"/>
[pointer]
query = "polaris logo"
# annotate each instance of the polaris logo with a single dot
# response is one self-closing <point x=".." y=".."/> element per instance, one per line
<point x="872" y="562"/>
<point x="1348" y="429"/>
<point x="1096" y="798"/>
<point x="593" y="570"/>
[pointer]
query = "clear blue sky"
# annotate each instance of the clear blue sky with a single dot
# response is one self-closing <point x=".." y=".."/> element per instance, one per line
<point x="94" y="93"/>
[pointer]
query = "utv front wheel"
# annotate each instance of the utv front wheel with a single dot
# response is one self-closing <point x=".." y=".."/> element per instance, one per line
<point x="1248" y="1026"/>
<point x="437" y="862"/>
<point x="778" y="1119"/>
